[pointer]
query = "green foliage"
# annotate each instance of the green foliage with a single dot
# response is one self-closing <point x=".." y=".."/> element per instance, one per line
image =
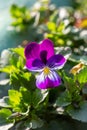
<point x="15" y="99"/>
<point x="38" y="97"/>
<point x="4" y="114"/>
<point x="82" y="76"/>
<point x="64" y="99"/>
<point x="8" y="69"/>
<point x="34" y="123"/>
<point x="79" y="114"/>
<point x="31" y="105"/>
<point x="22" y="17"/>
<point x="17" y="76"/>
<point x="19" y="51"/>
<point x="81" y="6"/>
<point x="74" y="88"/>
<point x="55" y="32"/>
<point x="24" y="104"/>
<point x="24" y="97"/>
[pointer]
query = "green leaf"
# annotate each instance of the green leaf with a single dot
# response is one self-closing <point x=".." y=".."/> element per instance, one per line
<point x="26" y="96"/>
<point x="17" y="11"/>
<point x="19" y="51"/>
<point x="51" y="26"/>
<point x="54" y="16"/>
<point x="83" y="59"/>
<point x="15" y="99"/>
<point x="73" y="87"/>
<point x="64" y="99"/>
<point x="15" y="79"/>
<point x="20" y="78"/>
<point x="82" y="75"/>
<point x="69" y="82"/>
<point x="8" y="69"/>
<point x="14" y="59"/>
<point x="79" y="114"/>
<point x="75" y="58"/>
<point x="61" y="27"/>
<point x="26" y="75"/>
<point x="4" y="114"/>
<point x="35" y="122"/>
<point x="38" y="96"/>
<point x="20" y="63"/>
<point x="21" y="17"/>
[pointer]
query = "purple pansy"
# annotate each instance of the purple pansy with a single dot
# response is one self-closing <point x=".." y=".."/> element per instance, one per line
<point x="42" y="58"/>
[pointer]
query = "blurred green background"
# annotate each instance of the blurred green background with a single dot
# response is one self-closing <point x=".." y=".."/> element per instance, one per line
<point x="10" y="38"/>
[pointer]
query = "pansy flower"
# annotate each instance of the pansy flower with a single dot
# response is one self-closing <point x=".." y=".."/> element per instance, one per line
<point x="41" y="58"/>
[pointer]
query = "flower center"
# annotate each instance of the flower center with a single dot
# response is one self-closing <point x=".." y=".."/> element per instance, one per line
<point x="46" y="70"/>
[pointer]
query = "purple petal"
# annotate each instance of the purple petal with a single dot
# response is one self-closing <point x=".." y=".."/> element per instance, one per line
<point x="50" y="81"/>
<point x="34" y="65"/>
<point x="43" y="56"/>
<point x="46" y="49"/>
<point x="56" y="62"/>
<point x="32" y="50"/>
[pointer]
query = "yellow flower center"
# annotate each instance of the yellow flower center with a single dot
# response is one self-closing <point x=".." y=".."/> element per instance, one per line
<point x="46" y="70"/>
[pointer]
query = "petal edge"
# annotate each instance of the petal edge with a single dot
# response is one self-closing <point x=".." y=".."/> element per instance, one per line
<point x="47" y="45"/>
<point x="50" y="81"/>
<point x="32" y="50"/>
<point x="56" y="62"/>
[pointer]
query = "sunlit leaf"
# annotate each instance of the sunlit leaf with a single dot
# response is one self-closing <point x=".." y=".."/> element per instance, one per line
<point x="4" y="114"/>
<point x="14" y="98"/>
<point x="80" y="113"/>
<point x="61" y="27"/>
<point x="19" y="51"/>
<point x="64" y="99"/>
<point x="51" y="26"/>
<point x="20" y="63"/>
<point x="38" y="97"/>
<point x="8" y="69"/>
<point x="27" y="96"/>
<point x="82" y="76"/>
